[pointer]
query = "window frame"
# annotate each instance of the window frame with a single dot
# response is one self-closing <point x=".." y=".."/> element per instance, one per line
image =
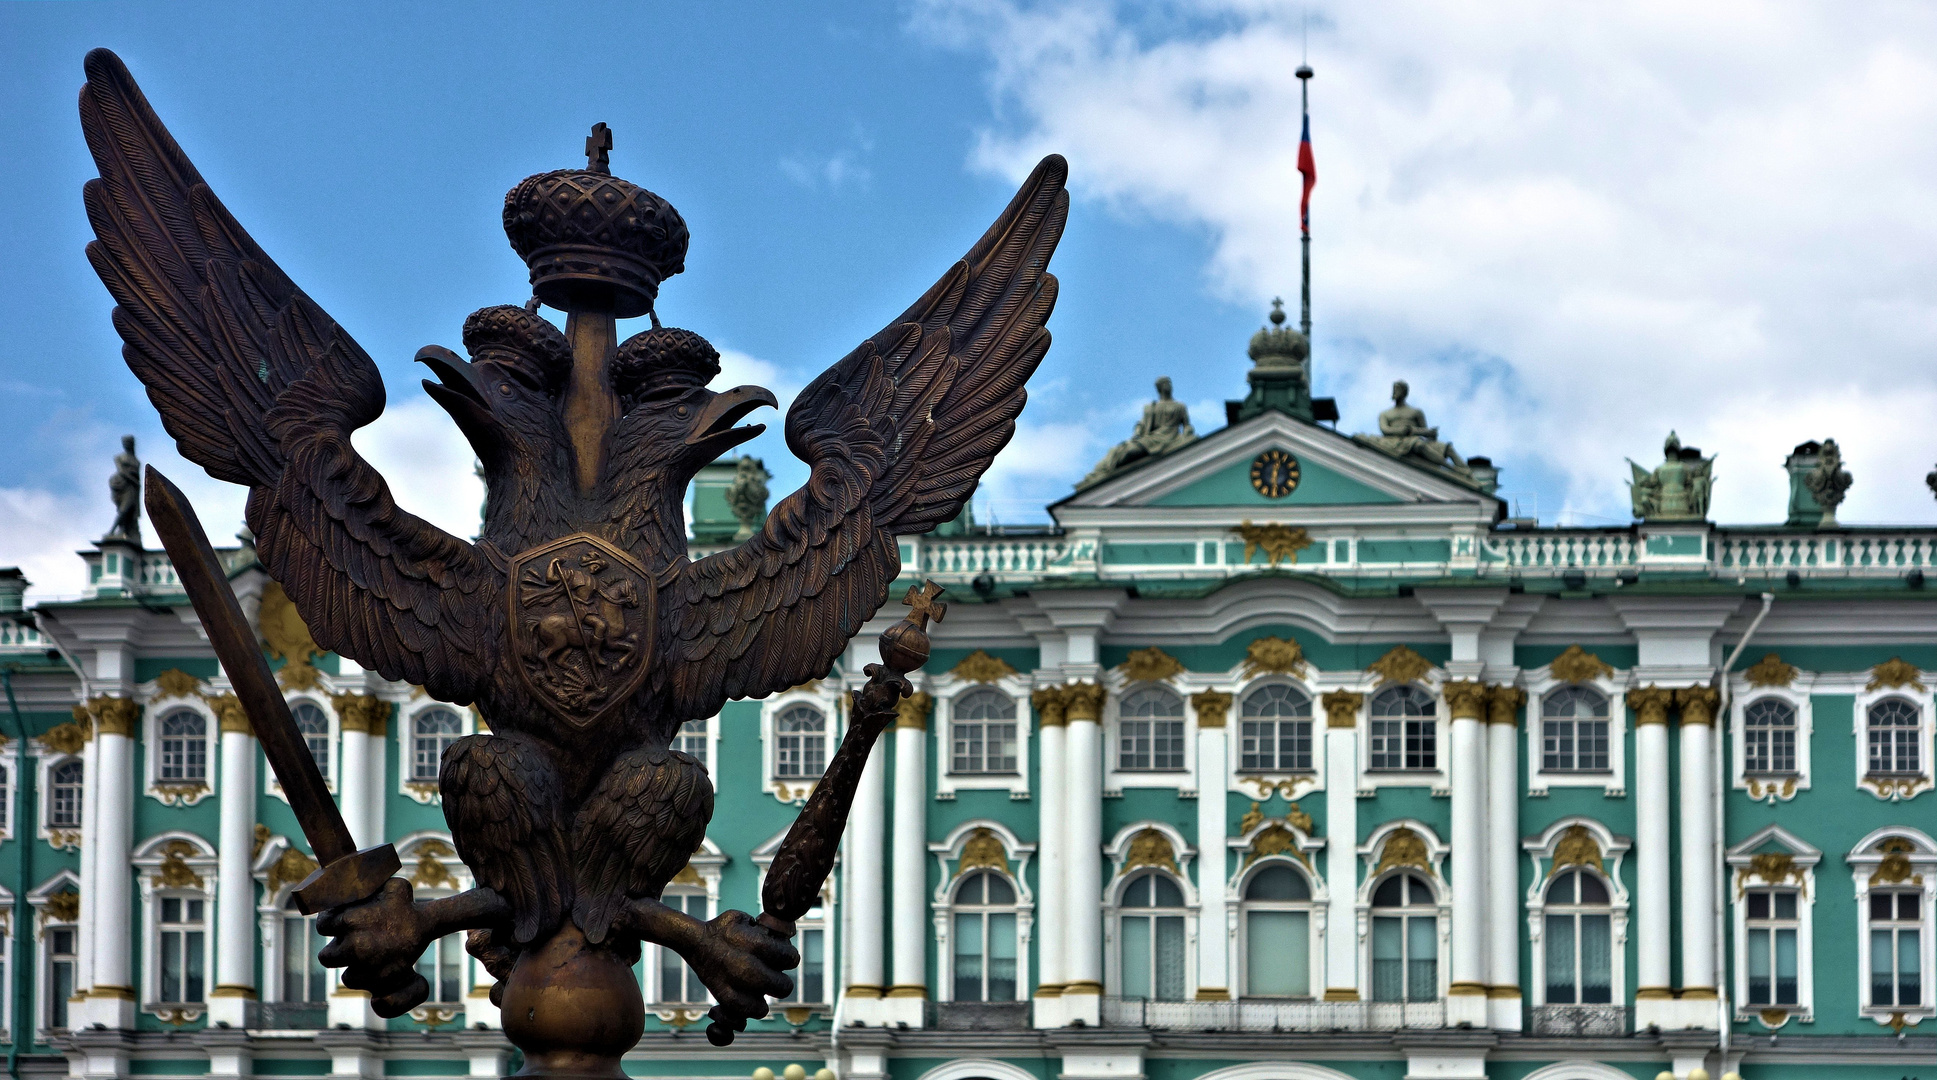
<point x="1315" y="733"/>
<point x="1438" y="907"/>
<point x="948" y="856"/>
<point x="1438" y="723"/>
<point x="1542" y="851"/>
<point x="1115" y="912"/>
<point x="474" y="983"/>
<point x="1868" y="861"/>
<point x="946" y="735"/>
<point x="201" y="862"/>
<point x="1314" y="906"/>
<point x="1894" y="787"/>
<point x="273" y="785"/>
<point x="1181" y="775"/>
<point x="707" y="864"/>
<point x="43" y="923"/>
<point x="957" y="908"/>
<point x="1371" y="854"/>
<point x="1770" y="787"/>
<point x="1797" y="872"/>
<point x="709" y="740"/>
<point x="183" y="792"/>
<point x="1613" y="780"/>
<point x="821" y="696"/>
<point x="948" y="689"/>
<point x="1603" y="717"/>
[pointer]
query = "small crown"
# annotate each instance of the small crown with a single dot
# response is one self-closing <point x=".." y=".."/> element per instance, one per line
<point x="1280" y="345"/>
<point x="661" y="358"/>
<point x="592" y="239"/>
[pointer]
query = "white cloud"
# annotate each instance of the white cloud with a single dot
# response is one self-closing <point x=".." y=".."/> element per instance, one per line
<point x="1572" y="228"/>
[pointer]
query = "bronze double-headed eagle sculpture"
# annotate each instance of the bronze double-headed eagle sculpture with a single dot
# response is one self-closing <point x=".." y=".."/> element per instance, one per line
<point x="577" y="622"/>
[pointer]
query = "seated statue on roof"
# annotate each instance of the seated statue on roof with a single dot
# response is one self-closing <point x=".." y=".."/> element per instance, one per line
<point x="1403" y="432"/>
<point x="1165" y="427"/>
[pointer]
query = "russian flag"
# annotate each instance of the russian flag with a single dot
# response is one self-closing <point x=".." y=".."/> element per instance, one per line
<point x="1309" y="169"/>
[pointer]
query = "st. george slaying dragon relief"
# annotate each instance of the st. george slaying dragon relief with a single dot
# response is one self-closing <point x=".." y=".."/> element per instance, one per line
<point x="577" y="623"/>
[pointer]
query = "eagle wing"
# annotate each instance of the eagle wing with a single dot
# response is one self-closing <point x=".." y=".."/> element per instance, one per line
<point x="260" y="387"/>
<point x="897" y="434"/>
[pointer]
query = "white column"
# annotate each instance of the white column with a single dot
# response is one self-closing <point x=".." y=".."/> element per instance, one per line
<point x="1083" y="943"/>
<point x="1653" y="997"/>
<point x="111" y="1002"/>
<point x="90" y="843"/>
<point x="910" y="881"/>
<point x="1503" y="856"/>
<point x="1213" y="820"/>
<point x="1697" y="840"/>
<point x="359" y="781"/>
<point x="865" y="902"/>
<point x="1052" y="853"/>
<point x="1466" y="999"/>
<point x="235" y="896"/>
<point x="1341" y="844"/>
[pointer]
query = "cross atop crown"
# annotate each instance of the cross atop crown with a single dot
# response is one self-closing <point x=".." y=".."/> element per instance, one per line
<point x="598" y="146"/>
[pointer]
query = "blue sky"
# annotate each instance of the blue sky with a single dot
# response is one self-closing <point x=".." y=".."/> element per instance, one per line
<point x="1569" y="236"/>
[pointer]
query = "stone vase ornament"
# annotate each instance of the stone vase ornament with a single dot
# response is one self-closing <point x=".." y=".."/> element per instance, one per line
<point x="576" y="623"/>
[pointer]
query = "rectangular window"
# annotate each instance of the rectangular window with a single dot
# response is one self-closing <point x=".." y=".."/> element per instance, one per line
<point x="1896" y="950"/>
<point x="1772" y="927"/>
<point x="183" y="932"/>
<point x="442" y="966"/>
<point x="1574" y="745"/>
<point x="1275" y="746"/>
<point x="1404" y="744"/>
<point x="692" y="741"/>
<point x="677" y="983"/>
<point x="61" y="956"/>
<point x="1150" y="745"/>
<point x="303" y="979"/>
<point x="1405" y="959"/>
<point x="983" y="747"/>
<point x="184" y="759"/>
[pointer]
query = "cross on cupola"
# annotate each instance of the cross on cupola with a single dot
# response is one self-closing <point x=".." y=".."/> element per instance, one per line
<point x="598" y="147"/>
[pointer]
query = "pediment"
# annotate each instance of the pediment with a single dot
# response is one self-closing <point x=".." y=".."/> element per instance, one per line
<point x="1337" y="478"/>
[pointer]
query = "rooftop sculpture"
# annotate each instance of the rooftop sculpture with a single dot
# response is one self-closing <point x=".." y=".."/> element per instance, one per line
<point x="124" y="487"/>
<point x="1165" y="426"/>
<point x="1675" y="490"/>
<point x="576" y="622"/>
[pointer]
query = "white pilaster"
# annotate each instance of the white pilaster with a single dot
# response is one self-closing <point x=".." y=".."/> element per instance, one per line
<point x="1654" y="1000"/>
<point x="1083" y="945"/>
<point x="1213" y="821"/>
<point x="1466" y="998"/>
<point x="1052" y="851"/>
<point x="1697" y="814"/>
<point x="111" y="1002"/>
<point x="1341" y="844"/>
<point x="1504" y="997"/>
<point x="358" y="783"/>
<point x="90" y="843"/>
<point x="865" y="899"/>
<point x="235" y="915"/>
<point x="910" y="881"/>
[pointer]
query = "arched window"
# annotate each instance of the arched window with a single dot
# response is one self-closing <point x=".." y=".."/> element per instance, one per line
<point x="1772" y="924"/>
<point x="1405" y="940"/>
<point x="1151" y="939"/>
<point x="1896" y="949"/>
<point x="1573" y="731"/>
<point x="800" y="742"/>
<point x="64" y="784"/>
<point x="1276" y="923"/>
<point x="1150" y="731"/>
<point x="315" y="726"/>
<point x="184" y="748"/>
<point x="1276" y="730"/>
<point x="1893" y="738"/>
<point x="678" y="984"/>
<point x="984" y="733"/>
<point x="431" y="733"/>
<point x="1769" y="737"/>
<point x="692" y="740"/>
<point x="984" y="938"/>
<point x="303" y="980"/>
<point x="1405" y="732"/>
<point x="1579" y="940"/>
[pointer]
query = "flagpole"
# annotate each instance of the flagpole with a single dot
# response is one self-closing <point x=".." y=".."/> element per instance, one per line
<point x="1305" y="288"/>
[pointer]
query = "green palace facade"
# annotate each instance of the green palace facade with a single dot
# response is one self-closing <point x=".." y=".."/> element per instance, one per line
<point x="1283" y="754"/>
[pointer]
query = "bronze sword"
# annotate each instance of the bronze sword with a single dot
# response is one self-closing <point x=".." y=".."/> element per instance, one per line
<point x="346" y="875"/>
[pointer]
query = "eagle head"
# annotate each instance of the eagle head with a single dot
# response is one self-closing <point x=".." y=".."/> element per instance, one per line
<point x="660" y="376"/>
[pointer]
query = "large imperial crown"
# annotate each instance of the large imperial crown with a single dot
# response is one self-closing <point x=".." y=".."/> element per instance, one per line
<point x="592" y="239"/>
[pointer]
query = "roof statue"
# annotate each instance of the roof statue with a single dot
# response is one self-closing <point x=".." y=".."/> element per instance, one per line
<point x="124" y="487"/>
<point x="1404" y="433"/>
<point x="1828" y="482"/>
<point x="747" y="495"/>
<point x="1165" y="427"/>
<point x="577" y="622"/>
<point x="1677" y="489"/>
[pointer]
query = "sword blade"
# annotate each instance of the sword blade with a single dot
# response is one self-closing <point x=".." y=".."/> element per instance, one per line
<point x="282" y="741"/>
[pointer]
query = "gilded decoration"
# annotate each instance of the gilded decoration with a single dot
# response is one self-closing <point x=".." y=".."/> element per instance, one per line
<point x="687" y="876"/>
<point x="1083" y="701"/>
<point x="1150" y="665"/>
<point x="1577" y="665"/>
<point x="361" y="712"/>
<point x="1401" y="665"/>
<point x="1048" y="702"/>
<point x="1773" y="1018"/>
<point x="230" y="717"/>
<point x="982" y="850"/>
<point x="1774" y="868"/>
<point x="1770" y="671"/>
<point x="1465" y="699"/>
<point x="1576" y="847"/>
<point x="1503" y="705"/>
<point x="1342" y="708"/>
<point x="179" y="794"/>
<point x="84" y="720"/>
<point x="911" y="712"/>
<point x="62" y="907"/>
<point x="1403" y="847"/>
<point x="980" y="667"/>
<point x="1698" y="704"/>
<point x="1650" y="704"/>
<point x="114" y="716"/>
<point x="432" y="1015"/>
<point x="261" y="841"/>
<point x="1894" y="673"/>
<point x="1213" y="708"/>
<point x="1151" y="848"/>
<point x="431" y="873"/>
<point x="282" y="629"/>
<point x="1272" y="656"/>
<point x="1288" y="787"/>
<point x="64" y="839"/>
<point x="1895" y="869"/>
<point x="176" y="683"/>
<point x="67" y="738"/>
<point x="1281" y="543"/>
<point x="1274" y="839"/>
<point x="1252" y="818"/>
<point x="290" y="868"/>
<point x="1772" y="789"/>
<point x="300" y="675"/>
<point x="174" y="871"/>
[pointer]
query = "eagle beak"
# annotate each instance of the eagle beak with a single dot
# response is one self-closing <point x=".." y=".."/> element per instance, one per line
<point x="713" y="432"/>
<point x="457" y="392"/>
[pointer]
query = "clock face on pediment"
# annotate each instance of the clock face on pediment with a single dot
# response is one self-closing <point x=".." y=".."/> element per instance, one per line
<point x="1274" y="473"/>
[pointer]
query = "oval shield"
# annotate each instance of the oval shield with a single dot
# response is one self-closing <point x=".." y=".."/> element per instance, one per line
<point x="582" y="619"/>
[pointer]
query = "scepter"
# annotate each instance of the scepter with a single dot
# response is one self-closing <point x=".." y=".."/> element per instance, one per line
<point x="806" y="856"/>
